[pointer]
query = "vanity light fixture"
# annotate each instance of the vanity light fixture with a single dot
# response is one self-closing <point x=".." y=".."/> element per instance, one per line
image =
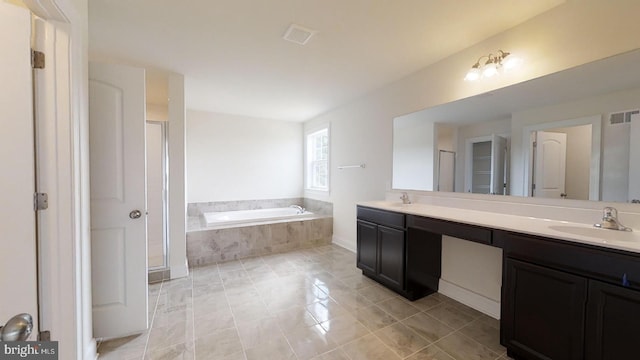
<point x="493" y="65"/>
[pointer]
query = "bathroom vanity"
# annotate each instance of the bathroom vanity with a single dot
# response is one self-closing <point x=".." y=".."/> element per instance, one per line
<point x="569" y="291"/>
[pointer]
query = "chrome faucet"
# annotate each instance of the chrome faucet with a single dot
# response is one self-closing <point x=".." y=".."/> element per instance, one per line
<point x="610" y="220"/>
<point x="301" y="210"/>
<point x="405" y="198"/>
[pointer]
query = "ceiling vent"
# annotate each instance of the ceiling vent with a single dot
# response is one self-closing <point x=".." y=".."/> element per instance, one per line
<point x="622" y="117"/>
<point x="298" y="34"/>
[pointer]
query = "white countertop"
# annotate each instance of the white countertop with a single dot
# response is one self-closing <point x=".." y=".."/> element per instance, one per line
<point x="556" y="229"/>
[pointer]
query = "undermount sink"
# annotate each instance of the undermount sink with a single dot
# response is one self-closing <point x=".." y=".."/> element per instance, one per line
<point x="603" y="235"/>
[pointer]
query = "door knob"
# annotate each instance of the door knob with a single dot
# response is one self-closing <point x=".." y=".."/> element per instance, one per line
<point x="135" y="214"/>
<point x="18" y="328"/>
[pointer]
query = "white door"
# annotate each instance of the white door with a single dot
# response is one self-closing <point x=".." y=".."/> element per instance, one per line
<point x="18" y="279"/>
<point x="498" y="160"/>
<point x="550" y="164"/>
<point x="634" y="159"/>
<point x="118" y="214"/>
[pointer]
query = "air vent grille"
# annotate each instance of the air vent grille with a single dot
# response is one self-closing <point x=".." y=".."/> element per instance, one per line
<point x="622" y="117"/>
<point x="298" y="34"/>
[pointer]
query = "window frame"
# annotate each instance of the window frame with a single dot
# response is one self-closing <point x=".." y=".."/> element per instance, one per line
<point x="309" y="162"/>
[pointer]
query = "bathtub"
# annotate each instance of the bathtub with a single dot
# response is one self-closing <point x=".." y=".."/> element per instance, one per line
<point x="252" y="216"/>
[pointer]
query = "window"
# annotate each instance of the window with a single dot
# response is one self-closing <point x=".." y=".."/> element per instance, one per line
<point x="317" y="169"/>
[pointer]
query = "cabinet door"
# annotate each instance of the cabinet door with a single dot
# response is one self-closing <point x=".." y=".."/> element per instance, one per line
<point x="391" y="256"/>
<point x="367" y="246"/>
<point x="543" y="312"/>
<point x="613" y="321"/>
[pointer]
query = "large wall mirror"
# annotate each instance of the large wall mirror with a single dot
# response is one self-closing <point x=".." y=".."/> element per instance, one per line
<point x="574" y="134"/>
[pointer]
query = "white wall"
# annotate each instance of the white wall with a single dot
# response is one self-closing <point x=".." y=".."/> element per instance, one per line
<point x="233" y="157"/>
<point x="413" y="155"/>
<point x="569" y="35"/>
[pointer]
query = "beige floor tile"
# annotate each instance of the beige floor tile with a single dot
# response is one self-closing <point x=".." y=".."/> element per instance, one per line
<point x="291" y="319"/>
<point x="461" y="347"/>
<point x="326" y="310"/>
<point x="343" y="329"/>
<point x="373" y="317"/>
<point x="432" y="352"/>
<point x="252" y="310"/>
<point x="309" y="342"/>
<point x="376" y="293"/>
<point x="219" y="344"/>
<point x="428" y="327"/>
<point x="175" y="329"/>
<point x="337" y="354"/>
<point x="256" y="332"/>
<point x="207" y="323"/>
<point x="451" y="315"/>
<point x="369" y="347"/>
<point x="485" y="334"/>
<point x="357" y="281"/>
<point x="277" y="348"/>
<point x="182" y="351"/>
<point x="230" y="266"/>
<point x="309" y="303"/>
<point x="401" y="339"/>
<point x="398" y="308"/>
<point x="350" y="299"/>
<point x="427" y="302"/>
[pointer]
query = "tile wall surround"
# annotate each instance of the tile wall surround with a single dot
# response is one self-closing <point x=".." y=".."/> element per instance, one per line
<point x="578" y="211"/>
<point x="315" y="206"/>
<point x="207" y="246"/>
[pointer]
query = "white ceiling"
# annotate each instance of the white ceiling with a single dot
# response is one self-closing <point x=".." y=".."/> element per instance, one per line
<point x="235" y="61"/>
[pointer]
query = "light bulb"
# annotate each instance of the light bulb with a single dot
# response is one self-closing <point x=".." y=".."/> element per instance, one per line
<point x="473" y="74"/>
<point x="489" y="69"/>
<point x="511" y="62"/>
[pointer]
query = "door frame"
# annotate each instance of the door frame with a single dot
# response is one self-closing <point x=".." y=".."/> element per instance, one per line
<point x="165" y="192"/>
<point x="596" y="139"/>
<point x="63" y="145"/>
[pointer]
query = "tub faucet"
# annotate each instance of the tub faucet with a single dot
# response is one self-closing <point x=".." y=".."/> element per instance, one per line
<point x="405" y="198"/>
<point x="301" y="210"/>
<point x="610" y="220"/>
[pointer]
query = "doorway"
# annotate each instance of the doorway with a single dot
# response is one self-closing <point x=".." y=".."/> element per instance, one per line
<point x="582" y="169"/>
<point x="157" y="165"/>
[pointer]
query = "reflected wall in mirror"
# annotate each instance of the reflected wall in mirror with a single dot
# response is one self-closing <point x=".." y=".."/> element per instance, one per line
<point x="593" y="107"/>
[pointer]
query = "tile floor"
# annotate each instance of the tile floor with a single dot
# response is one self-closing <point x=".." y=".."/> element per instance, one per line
<point x="306" y="304"/>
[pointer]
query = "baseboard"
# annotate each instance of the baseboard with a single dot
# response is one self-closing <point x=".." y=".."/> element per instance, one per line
<point x="180" y="271"/>
<point x="343" y="243"/>
<point x="471" y="299"/>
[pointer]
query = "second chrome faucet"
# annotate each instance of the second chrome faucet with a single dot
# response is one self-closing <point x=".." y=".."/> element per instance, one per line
<point x="610" y="220"/>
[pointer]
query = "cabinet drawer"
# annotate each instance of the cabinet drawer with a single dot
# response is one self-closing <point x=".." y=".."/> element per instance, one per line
<point x="461" y="231"/>
<point x="381" y="217"/>
<point x="589" y="261"/>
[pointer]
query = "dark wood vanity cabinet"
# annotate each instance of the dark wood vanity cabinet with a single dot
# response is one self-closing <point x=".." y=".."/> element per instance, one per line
<point x="613" y="322"/>
<point x="560" y="300"/>
<point x="381" y="246"/>
<point x="382" y="250"/>
<point x="543" y="312"/>
<point x="567" y="301"/>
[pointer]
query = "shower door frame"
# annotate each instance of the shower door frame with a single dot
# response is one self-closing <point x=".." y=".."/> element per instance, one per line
<point x="165" y="199"/>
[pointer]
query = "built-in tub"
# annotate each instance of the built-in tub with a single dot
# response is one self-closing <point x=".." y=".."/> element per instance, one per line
<point x="229" y="235"/>
<point x="225" y="218"/>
